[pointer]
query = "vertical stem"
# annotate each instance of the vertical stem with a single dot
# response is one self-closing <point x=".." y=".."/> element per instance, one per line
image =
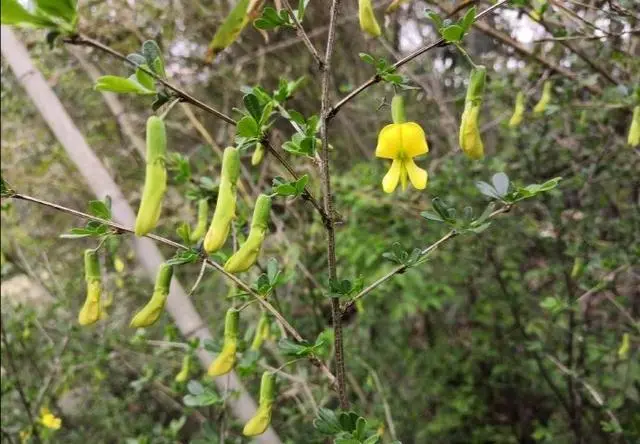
<point x="23" y="397"/>
<point x="328" y="205"/>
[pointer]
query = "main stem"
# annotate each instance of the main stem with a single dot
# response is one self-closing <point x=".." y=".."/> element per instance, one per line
<point x="336" y="313"/>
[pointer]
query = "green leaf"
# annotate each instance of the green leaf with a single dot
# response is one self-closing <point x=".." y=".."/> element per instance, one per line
<point x="99" y="209"/>
<point x="435" y="18"/>
<point x="231" y="28"/>
<point x="468" y="19"/>
<point x="327" y="422"/>
<point x="500" y="182"/>
<point x="252" y="104"/>
<point x="294" y="349"/>
<point x="452" y="33"/>
<point x="195" y="388"/>
<point x="184" y="257"/>
<point x="121" y="85"/>
<point x="13" y="13"/>
<point x="137" y="59"/>
<point x="487" y="189"/>
<point x="64" y="10"/>
<point x="202" y="400"/>
<point x="153" y="57"/>
<point x="367" y="58"/>
<point x="248" y="127"/>
<point x="184" y="232"/>
<point x="270" y="19"/>
<point x="430" y="215"/>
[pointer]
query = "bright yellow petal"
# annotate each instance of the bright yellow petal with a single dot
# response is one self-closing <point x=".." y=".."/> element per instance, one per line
<point x="390" y="180"/>
<point x="417" y="175"/>
<point x="389" y="141"/>
<point x="414" y="141"/>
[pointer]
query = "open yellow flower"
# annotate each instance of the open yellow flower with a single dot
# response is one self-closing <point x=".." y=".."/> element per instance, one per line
<point x="49" y="420"/>
<point x="402" y="142"/>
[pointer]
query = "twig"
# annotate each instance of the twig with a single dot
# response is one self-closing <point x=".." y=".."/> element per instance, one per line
<point x="385" y="404"/>
<point x="325" y="178"/>
<point x="18" y="386"/>
<point x="198" y="280"/>
<point x="597" y="397"/>
<point x="303" y="35"/>
<point x="51" y="375"/>
<point x="375" y="79"/>
<point x="401" y="268"/>
<point x="80" y="39"/>
<point x="122" y="229"/>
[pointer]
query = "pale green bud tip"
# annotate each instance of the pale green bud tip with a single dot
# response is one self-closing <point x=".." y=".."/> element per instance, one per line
<point x="261" y="212"/>
<point x="397" y="109"/>
<point x="267" y="388"/>
<point x="231" y="321"/>
<point x="231" y="164"/>
<point x="163" y="278"/>
<point x="91" y="264"/>
<point x="477" y="79"/>
<point x="156" y="139"/>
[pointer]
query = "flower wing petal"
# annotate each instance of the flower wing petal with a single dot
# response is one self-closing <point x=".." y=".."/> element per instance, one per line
<point x="391" y="179"/>
<point x="389" y="141"/>
<point x="414" y="141"/>
<point x="417" y="175"/>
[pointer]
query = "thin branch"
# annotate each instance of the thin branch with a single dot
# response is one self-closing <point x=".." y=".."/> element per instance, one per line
<point x="88" y="41"/>
<point x="23" y="397"/>
<point x="118" y="228"/>
<point x="186" y="97"/>
<point x="401" y="268"/>
<point x="325" y="178"/>
<point x="303" y="35"/>
<point x="375" y="79"/>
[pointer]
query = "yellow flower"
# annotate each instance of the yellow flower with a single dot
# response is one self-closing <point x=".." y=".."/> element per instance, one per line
<point x="49" y="420"/>
<point x="401" y="142"/>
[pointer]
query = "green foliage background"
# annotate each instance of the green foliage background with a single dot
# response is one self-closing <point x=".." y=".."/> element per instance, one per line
<point x="465" y="347"/>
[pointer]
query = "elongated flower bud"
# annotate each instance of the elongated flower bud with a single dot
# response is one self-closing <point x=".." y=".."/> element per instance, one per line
<point x="623" y="351"/>
<point x="634" y="129"/>
<point x="184" y="370"/>
<point x="90" y="312"/>
<point x="247" y="254"/>
<point x="150" y="313"/>
<point x="469" y="138"/>
<point x="225" y="209"/>
<point x="262" y="332"/>
<point x="261" y="420"/>
<point x="518" y="111"/>
<point x="258" y="154"/>
<point x="203" y="218"/>
<point x="545" y="98"/>
<point x="398" y="114"/>
<point x="225" y="361"/>
<point x="368" y="22"/>
<point x="155" y="181"/>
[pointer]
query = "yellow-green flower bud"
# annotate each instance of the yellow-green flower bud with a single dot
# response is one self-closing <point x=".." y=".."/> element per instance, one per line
<point x="545" y="98"/>
<point x="258" y="154"/>
<point x="469" y="138"/>
<point x="261" y="420"/>
<point x="634" y="129"/>
<point x="262" y="332"/>
<point x="155" y="181"/>
<point x="225" y="209"/>
<point x="150" y="313"/>
<point x="90" y="312"/>
<point x="518" y="111"/>
<point x="623" y="351"/>
<point x="398" y="114"/>
<point x="368" y="22"/>
<point x="225" y="361"/>
<point x="247" y="254"/>
<point x="203" y="217"/>
<point x="184" y="370"/>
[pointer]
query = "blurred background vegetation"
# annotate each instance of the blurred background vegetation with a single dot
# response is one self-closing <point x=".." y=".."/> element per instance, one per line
<point x="514" y="335"/>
